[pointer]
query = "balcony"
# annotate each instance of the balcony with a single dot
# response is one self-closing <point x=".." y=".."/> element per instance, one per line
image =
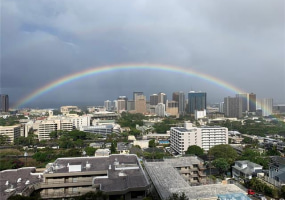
<point x="201" y="167"/>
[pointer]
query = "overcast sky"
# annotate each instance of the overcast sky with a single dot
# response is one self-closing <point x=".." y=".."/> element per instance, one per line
<point x="241" y="42"/>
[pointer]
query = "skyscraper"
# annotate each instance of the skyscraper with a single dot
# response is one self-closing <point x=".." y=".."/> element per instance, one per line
<point x="197" y="101"/>
<point x="252" y="102"/>
<point x="162" y="98"/>
<point x="181" y="103"/>
<point x="140" y="104"/>
<point x="160" y="109"/>
<point x="108" y="105"/>
<point x="135" y="94"/>
<point x="248" y="102"/>
<point x="266" y="106"/>
<point x="233" y="107"/>
<point x="153" y="100"/>
<point x="175" y="96"/>
<point x="5" y="103"/>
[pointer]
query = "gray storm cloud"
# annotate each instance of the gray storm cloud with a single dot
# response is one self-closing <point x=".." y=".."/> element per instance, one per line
<point x="241" y="42"/>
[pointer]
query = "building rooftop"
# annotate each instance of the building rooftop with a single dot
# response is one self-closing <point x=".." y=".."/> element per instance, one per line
<point x="15" y="181"/>
<point x="167" y="180"/>
<point x="121" y="172"/>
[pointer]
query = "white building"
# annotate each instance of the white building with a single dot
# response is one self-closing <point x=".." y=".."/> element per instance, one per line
<point x="205" y="137"/>
<point x="160" y="110"/>
<point x="66" y="109"/>
<point x="266" y="106"/>
<point x="245" y="169"/>
<point x="12" y="132"/>
<point x="108" y="105"/>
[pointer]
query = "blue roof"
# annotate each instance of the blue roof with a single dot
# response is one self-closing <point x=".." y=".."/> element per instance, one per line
<point x="233" y="196"/>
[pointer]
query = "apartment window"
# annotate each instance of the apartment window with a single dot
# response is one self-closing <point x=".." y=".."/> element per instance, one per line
<point x="74" y="180"/>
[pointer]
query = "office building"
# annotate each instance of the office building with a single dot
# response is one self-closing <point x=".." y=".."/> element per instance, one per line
<point x="125" y="99"/>
<point x="140" y="104"/>
<point x="130" y="105"/>
<point x="252" y="102"/>
<point x="160" y="110"/>
<point x="66" y="109"/>
<point x="122" y="103"/>
<point x="162" y="98"/>
<point x="221" y="107"/>
<point x="233" y="107"/>
<point x="248" y="102"/>
<point x="153" y="100"/>
<point x="11" y="132"/>
<point x="196" y="101"/>
<point x="108" y="105"/>
<point x="205" y="137"/>
<point x="4" y="103"/>
<point x="135" y="94"/>
<point x="172" y="108"/>
<point x="175" y="96"/>
<point x="266" y="105"/>
<point x="181" y="103"/>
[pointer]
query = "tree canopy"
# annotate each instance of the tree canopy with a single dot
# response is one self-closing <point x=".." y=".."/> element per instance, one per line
<point x="194" y="149"/>
<point x="224" y="151"/>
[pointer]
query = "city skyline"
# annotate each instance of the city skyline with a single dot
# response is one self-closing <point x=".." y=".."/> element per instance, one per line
<point x="233" y="42"/>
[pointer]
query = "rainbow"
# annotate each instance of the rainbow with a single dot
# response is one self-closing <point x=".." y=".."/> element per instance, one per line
<point x="123" y="67"/>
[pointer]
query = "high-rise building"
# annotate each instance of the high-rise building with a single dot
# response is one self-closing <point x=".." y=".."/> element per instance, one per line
<point x="221" y="107"/>
<point x="108" y="105"/>
<point x="162" y="98"/>
<point x="121" y="105"/>
<point x="135" y="94"/>
<point x="140" y="104"/>
<point x="248" y="102"/>
<point x="160" y="109"/>
<point x="175" y="96"/>
<point x="233" y="107"/>
<point x="172" y="108"/>
<point x="130" y="105"/>
<point x="252" y="102"/>
<point x="266" y="106"/>
<point x="153" y="100"/>
<point x="197" y="101"/>
<point x="181" y="103"/>
<point x="4" y="103"/>
<point x="125" y="99"/>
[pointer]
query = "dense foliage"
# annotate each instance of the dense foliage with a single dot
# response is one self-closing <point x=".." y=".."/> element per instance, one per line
<point x="195" y="150"/>
<point x="224" y="151"/>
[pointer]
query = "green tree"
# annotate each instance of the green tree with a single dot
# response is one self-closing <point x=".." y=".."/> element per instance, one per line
<point x="224" y="151"/>
<point x="113" y="147"/>
<point x="151" y="143"/>
<point x="222" y="165"/>
<point x="90" y="151"/>
<point x="41" y="156"/>
<point x="4" y="140"/>
<point x="195" y="150"/>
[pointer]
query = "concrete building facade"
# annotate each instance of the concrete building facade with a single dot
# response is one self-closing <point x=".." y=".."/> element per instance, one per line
<point x="205" y="137"/>
<point x="12" y="132"/>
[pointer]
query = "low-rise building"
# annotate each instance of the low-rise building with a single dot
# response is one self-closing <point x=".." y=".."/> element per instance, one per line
<point x="11" y="132"/>
<point x="177" y="175"/>
<point x="115" y="175"/>
<point x="245" y="169"/>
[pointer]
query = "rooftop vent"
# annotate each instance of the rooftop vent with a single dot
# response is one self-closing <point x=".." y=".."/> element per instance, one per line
<point x="110" y="167"/>
<point x="122" y="173"/>
<point x="27" y="182"/>
<point x="88" y="165"/>
<point x="116" y="162"/>
<point x="7" y="183"/>
<point x="19" y="180"/>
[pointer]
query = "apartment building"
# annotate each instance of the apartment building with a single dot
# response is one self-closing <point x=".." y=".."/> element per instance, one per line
<point x="43" y="128"/>
<point x="12" y="132"/>
<point x="205" y="137"/>
<point x="115" y="175"/>
<point x="66" y="109"/>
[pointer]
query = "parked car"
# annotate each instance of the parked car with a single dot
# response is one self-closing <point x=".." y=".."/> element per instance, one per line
<point x="260" y="196"/>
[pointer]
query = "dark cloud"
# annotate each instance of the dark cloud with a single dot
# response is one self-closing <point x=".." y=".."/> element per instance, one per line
<point x="241" y="42"/>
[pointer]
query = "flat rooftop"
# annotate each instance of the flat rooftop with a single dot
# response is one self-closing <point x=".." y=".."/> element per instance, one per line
<point x="167" y="180"/>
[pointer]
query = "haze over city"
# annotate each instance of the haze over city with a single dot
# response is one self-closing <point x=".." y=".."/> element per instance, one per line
<point x="239" y="42"/>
